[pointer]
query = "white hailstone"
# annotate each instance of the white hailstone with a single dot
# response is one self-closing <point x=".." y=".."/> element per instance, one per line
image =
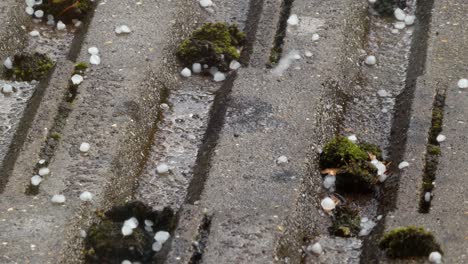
<point x="315" y="248"/>
<point x="58" y="199"/>
<point x="427" y="197"/>
<point x="196" y="68"/>
<point x="39" y="13"/>
<point x="329" y="181"/>
<point x="399" y="25"/>
<point x="308" y="54"/>
<point x="34" y="33"/>
<point x="122" y="29"/>
<point x="149" y="223"/>
<point x="394" y="31"/>
<point x="84" y="147"/>
<point x="282" y="160"/>
<point x="297" y="56"/>
<point x="403" y="165"/>
<point x="29" y="10"/>
<point x="7" y="89"/>
<point x="50" y="17"/>
<point x="409" y="20"/>
<point x="315" y="37"/>
<point x="372" y="1"/>
<point x="383" y="177"/>
<point x="370" y="60"/>
<point x="131" y="222"/>
<point x="95" y="60"/>
<point x="78" y="24"/>
<point x="366" y="227"/>
<point x="162" y="168"/>
<point x="126" y="230"/>
<point x="293" y="20"/>
<point x="36" y="180"/>
<point x="44" y="171"/>
<point x="463" y="83"/>
<point x="399" y="14"/>
<point x="148" y="229"/>
<point x="8" y="63"/>
<point x="61" y="25"/>
<point x="93" y="50"/>
<point x="213" y="70"/>
<point x="164" y="106"/>
<point x="77" y="79"/>
<point x="162" y="236"/>
<point x="234" y="65"/>
<point x="435" y="257"/>
<point x="382" y="93"/>
<point x="50" y="22"/>
<point x="352" y="138"/>
<point x="441" y="138"/>
<point x="219" y="77"/>
<point x="379" y="217"/>
<point x="381" y="168"/>
<point x="30" y="2"/>
<point x="42" y="161"/>
<point x="206" y="3"/>
<point x="126" y="262"/>
<point x="83" y="233"/>
<point x="86" y="196"/>
<point x="156" y="246"/>
<point x="328" y="204"/>
<point x="186" y="72"/>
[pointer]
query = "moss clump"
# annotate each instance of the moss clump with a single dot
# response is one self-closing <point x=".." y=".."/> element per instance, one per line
<point x="214" y="44"/>
<point x="346" y="222"/>
<point x="433" y="150"/>
<point x="106" y="244"/>
<point x="387" y="7"/>
<point x="28" y="67"/>
<point x="409" y="242"/>
<point x="354" y="173"/>
<point x="80" y="68"/>
<point x="66" y="10"/>
<point x="55" y="136"/>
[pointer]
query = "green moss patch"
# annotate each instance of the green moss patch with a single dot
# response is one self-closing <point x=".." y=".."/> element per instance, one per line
<point x="214" y="44"/>
<point x="66" y="10"/>
<point x="346" y="222"/>
<point x="409" y="242"/>
<point x="354" y="172"/>
<point x="80" y="68"/>
<point x="28" y="67"/>
<point x="106" y="244"/>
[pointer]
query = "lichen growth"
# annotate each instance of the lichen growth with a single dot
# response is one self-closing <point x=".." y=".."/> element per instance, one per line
<point x="354" y="173"/>
<point x="409" y="242"/>
<point x="28" y="67"/>
<point x="214" y="44"/>
<point x="387" y="7"/>
<point x="106" y="244"/>
<point x="66" y="10"/>
<point x="346" y="222"/>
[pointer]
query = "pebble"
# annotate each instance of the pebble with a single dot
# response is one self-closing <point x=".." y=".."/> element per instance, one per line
<point x="8" y="63"/>
<point x="36" y="180"/>
<point x="93" y="51"/>
<point x="234" y="65"/>
<point x="34" y="33"/>
<point x="315" y="248"/>
<point x="293" y="20"/>
<point x="409" y="20"/>
<point x="403" y="165"/>
<point x="196" y="68"/>
<point x="463" y="83"/>
<point x="205" y="3"/>
<point x="162" y="168"/>
<point x="61" y="25"/>
<point x="186" y="72"/>
<point x="328" y="204"/>
<point x="441" y="138"/>
<point x="58" y="199"/>
<point x="86" y="196"/>
<point x="7" y="89"/>
<point x="95" y="60"/>
<point x="219" y="77"/>
<point x="399" y="14"/>
<point x="370" y="60"/>
<point x="162" y="236"/>
<point x="44" y="171"/>
<point x="352" y="138"/>
<point x="435" y="257"/>
<point x="77" y="79"/>
<point x="84" y="147"/>
<point x="315" y="37"/>
<point x="282" y="160"/>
